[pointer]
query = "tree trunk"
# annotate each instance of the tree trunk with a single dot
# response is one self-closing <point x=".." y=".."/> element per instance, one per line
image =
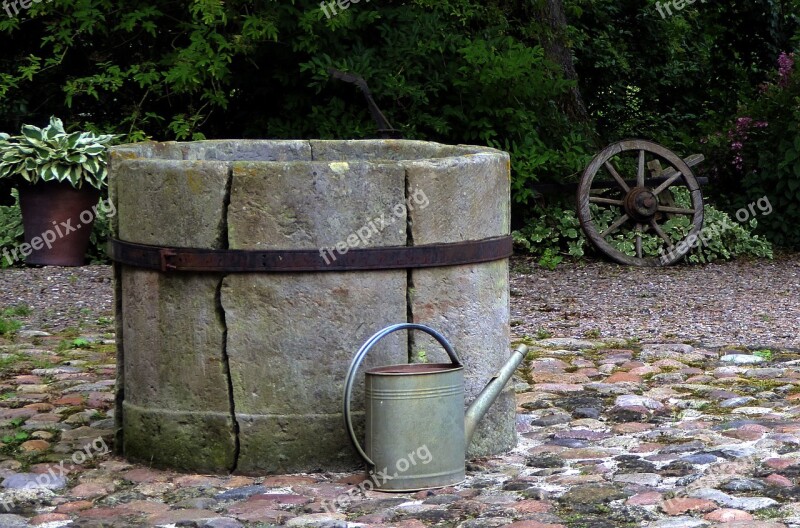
<point x="554" y="42"/>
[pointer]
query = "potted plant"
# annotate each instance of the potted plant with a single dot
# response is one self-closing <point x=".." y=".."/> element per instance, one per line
<point x="60" y="177"/>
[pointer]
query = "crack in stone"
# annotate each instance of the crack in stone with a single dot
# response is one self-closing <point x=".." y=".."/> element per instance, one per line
<point x="409" y="272"/>
<point x="221" y="311"/>
<point x="227" y="366"/>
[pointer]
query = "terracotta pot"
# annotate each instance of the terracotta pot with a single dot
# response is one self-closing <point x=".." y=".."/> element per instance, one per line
<point x="58" y="221"/>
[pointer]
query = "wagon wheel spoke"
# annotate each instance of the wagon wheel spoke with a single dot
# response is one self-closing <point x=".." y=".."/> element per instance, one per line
<point x="660" y="232"/>
<point x="676" y="210"/>
<point x="613" y="227"/>
<point x="610" y="168"/>
<point x="608" y="201"/>
<point x="669" y="181"/>
<point x="640" y="172"/>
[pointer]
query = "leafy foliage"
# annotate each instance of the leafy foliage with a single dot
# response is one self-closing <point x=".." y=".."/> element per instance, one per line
<point x="457" y="71"/>
<point x="557" y="231"/>
<point x="673" y="79"/>
<point x="11" y="231"/>
<point x="50" y="154"/>
<point x="760" y="154"/>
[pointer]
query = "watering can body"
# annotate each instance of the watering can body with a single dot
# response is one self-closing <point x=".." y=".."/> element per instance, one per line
<point x="415" y="425"/>
<point x="416" y="431"/>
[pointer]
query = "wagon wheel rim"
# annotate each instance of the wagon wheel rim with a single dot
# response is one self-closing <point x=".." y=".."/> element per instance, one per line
<point x="640" y="206"/>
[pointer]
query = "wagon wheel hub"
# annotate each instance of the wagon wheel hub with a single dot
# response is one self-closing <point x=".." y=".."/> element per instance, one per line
<point x="641" y="204"/>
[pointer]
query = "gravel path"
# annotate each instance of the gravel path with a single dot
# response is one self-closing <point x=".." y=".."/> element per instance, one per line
<point x="743" y="303"/>
<point x="58" y="297"/>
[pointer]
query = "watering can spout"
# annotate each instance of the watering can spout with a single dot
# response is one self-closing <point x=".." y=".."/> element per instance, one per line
<point x="490" y="393"/>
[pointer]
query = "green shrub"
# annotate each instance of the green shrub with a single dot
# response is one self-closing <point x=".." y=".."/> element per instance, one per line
<point x="556" y="230"/>
<point x="673" y="79"/>
<point x="11" y="231"/>
<point x="458" y="71"/>
<point x="760" y="155"/>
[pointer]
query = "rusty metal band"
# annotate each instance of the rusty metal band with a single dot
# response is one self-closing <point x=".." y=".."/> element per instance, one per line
<point x="309" y="260"/>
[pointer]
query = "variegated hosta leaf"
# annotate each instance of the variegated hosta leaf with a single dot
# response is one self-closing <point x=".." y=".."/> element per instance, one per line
<point x="105" y="138"/>
<point x="28" y="176"/>
<point x="74" y="177"/>
<point x="6" y="170"/>
<point x="62" y="171"/>
<point x="56" y="127"/>
<point x="60" y="141"/>
<point x="73" y="139"/>
<point x="32" y="133"/>
<point x="44" y="152"/>
<point x="32" y="143"/>
<point x="46" y="172"/>
<point x="94" y="150"/>
<point x="92" y="165"/>
<point x="75" y="173"/>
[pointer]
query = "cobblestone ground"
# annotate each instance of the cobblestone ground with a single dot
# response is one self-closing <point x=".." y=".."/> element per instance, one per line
<point x="612" y="434"/>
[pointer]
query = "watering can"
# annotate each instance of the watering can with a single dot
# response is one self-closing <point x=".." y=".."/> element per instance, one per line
<point x="416" y="431"/>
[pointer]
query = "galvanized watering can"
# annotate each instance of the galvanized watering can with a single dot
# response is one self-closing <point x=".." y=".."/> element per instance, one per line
<point x="416" y="431"/>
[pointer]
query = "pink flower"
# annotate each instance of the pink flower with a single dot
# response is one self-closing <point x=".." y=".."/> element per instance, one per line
<point x="785" y="67"/>
<point x="738" y="161"/>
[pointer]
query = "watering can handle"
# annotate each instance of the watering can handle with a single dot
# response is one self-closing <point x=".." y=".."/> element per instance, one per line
<point x="362" y="353"/>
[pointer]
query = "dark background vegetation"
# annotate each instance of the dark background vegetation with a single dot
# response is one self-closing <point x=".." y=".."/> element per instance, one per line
<point x="551" y="81"/>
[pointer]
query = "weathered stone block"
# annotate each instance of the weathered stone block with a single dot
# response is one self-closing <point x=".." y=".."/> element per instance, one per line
<point x="190" y="441"/>
<point x="292" y="336"/>
<point x="174" y="372"/>
<point x="174" y="325"/>
<point x="316" y="205"/>
<point x="172" y="203"/>
<point x="249" y="150"/>
<point x="469" y="200"/>
<point x="275" y="443"/>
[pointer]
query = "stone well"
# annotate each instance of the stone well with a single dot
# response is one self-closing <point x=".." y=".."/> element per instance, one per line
<point x="243" y="371"/>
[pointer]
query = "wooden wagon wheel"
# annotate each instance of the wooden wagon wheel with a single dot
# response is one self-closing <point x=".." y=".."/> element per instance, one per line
<point x="642" y="205"/>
